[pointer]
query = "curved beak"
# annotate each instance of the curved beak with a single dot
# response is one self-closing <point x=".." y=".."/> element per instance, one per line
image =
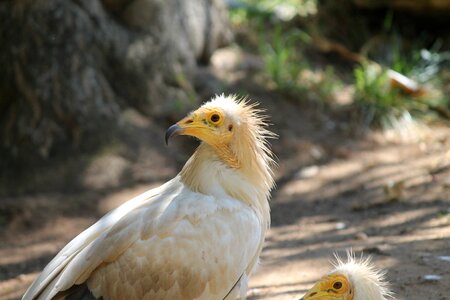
<point x="173" y="130"/>
<point x="193" y="125"/>
<point x="318" y="292"/>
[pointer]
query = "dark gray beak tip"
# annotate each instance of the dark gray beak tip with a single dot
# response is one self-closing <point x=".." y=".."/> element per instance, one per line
<point x="171" y="131"/>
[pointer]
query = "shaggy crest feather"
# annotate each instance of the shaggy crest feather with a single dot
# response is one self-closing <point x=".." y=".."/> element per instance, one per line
<point x="366" y="279"/>
<point x="243" y="111"/>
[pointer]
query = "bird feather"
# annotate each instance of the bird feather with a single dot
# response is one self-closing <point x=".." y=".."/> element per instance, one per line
<point x="184" y="227"/>
<point x="196" y="237"/>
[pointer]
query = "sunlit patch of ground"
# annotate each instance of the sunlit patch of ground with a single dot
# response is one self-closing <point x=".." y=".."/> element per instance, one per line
<point x="386" y="199"/>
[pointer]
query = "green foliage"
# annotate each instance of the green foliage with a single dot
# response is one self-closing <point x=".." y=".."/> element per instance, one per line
<point x="375" y="102"/>
<point x="289" y="70"/>
<point x="283" y="61"/>
<point x="329" y="85"/>
<point x="282" y="47"/>
<point x="379" y="103"/>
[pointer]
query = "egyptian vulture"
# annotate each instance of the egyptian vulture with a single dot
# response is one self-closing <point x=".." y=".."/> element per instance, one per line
<point x="353" y="279"/>
<point x="198" y="236"/>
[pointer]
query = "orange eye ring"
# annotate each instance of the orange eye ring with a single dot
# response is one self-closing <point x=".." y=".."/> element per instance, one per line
<point x="215" y="118"/>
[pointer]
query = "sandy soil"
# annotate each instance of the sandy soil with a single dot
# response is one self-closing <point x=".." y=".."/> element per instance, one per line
<point x="384" y="196"/>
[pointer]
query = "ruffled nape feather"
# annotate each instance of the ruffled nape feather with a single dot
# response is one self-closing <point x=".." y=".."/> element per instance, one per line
<point x="368" y="281"/>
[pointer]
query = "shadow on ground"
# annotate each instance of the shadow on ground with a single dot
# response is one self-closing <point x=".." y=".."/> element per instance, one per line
<point x="388" y="199"/>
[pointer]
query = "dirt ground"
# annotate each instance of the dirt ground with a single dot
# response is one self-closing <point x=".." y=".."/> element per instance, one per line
<point x="386" y="195"/>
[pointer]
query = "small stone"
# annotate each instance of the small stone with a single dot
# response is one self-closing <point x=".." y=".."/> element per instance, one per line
<point x="316" y="152"/>
<point x="444" y="258"/>
<point x="22" y="277"/>
<point x="447" y="182"/>
<point x="340" y="225"/>
<point x="361" y="236"/>
<point x="308" y="172"/>
<point x="394" y="191"/>
<point x="432" y="277"/>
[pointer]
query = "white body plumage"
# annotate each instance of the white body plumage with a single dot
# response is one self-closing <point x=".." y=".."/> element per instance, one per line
<point x="196" y="237"/>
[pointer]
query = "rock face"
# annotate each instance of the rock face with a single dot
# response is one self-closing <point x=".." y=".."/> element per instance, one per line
<point x="70" y="66"/>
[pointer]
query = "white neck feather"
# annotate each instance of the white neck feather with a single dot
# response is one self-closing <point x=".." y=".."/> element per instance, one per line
<point x="206" y="173"/>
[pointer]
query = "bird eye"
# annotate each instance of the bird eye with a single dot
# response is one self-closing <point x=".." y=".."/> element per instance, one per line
<point x="337" y="285"/>
<point x="215" y="118"/>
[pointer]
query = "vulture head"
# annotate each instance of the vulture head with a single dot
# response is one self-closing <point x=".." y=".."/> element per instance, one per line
<point x="353" y="279"/>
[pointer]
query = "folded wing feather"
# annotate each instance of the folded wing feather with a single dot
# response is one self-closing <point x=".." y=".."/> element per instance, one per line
<point x="169" y="242"/>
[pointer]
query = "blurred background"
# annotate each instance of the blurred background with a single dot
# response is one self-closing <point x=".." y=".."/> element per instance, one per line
<point x="358" y="92"/>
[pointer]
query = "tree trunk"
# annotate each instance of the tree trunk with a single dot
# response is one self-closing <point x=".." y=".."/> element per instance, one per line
<point x="69" y="66"/>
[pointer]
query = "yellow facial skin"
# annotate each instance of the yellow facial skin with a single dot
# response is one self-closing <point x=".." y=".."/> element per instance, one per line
<point x="208" y="125"/>
<point x="331" y="287"/>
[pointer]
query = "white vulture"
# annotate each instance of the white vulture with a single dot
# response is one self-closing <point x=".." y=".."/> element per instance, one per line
<point x="198" y="236"/>
<point x="353" y="279"/>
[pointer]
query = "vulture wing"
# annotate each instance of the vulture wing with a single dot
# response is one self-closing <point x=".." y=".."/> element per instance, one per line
<point x="168" y="243"/>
